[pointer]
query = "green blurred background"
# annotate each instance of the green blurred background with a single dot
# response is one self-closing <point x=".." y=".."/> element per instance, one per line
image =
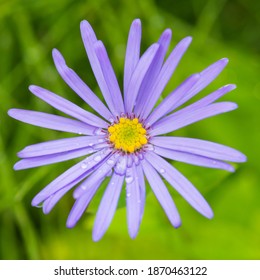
<point x="29" y="30"/>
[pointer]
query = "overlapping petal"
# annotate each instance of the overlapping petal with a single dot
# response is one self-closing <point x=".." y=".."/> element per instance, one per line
<point x="75" y="82"/>
<point x="183" y="118"/>
<point x="132" y="51"/>
<point x="163" y="78"/>
<point x="199" y="147"/>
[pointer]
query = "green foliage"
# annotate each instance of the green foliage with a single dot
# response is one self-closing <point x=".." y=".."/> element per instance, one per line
<point x="30" y="29"/>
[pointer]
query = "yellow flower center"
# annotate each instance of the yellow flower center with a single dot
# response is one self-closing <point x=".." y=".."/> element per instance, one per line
<point x="127" y="135"/>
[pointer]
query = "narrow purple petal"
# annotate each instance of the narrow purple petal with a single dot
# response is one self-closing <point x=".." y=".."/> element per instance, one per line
<point x="51" y="121"/>
<point x="162" y="194"/>
<point x="138" y="76"/>
<point x="103" y="170"/>
<point x="133" y="201"/>
<point x="74" y="174"/>
<point x="75" y="82"/>
<point x="51" y="201"/>
<point x="199" y="147"/>
<point x="181" y="119"/>
<point x="49" y="159"/>
<point x="61" y="145"/>
<point x="81" y="204"/>
<point x="140" y="178"/>
<point x="154" y="69"/>
<point x="68" y="107"/>
<point x="132" y="51"/>
<point x="208" y="99"/>
<point x="180" y="184"/>
<point x="193" y="159"/>
<point x="89" y="39"/>
<point x="206" y="77"/>
<point x="107" y="206"/>
<point x="166" y="105"/>
<point x="110" y="78"/>
<point x="164" y="76"/>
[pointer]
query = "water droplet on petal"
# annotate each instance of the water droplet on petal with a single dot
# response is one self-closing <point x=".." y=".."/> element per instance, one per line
<point x="83" y="165"/>
<point x="120" y="167"/>
<point x="97" y="158"/>
<point x="98" y="131"/>
<point x="129" y="179"/>
<point x="128" y="194"/>
<point x="162" y="170"/>
<point x="111" y="120"/>
<point x="83" y="187"/>
<point x="110" y="161"/>
<point x="91" y="144"/>
<point x="80" y="133"/>
<point x="150" y="147"/>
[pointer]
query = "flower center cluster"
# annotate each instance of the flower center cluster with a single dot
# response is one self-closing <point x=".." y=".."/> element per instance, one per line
<point x="127" y="135"/>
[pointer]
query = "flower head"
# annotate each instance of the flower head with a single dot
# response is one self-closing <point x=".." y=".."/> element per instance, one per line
<point x="124" y="140"/>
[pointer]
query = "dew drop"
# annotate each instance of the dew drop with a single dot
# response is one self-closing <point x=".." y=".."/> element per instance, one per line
<point x="97" y="158"/>
<point x="91" y="144"/>
<point x="162" y="171"/>
<point x="110" y="162"/>
<point x="98" y="131"/>
<point x="121" y="166"/>
<point x="150" y="147"/>
<point x="128" y="194"/>
<point x="83" y="165"/>
<point x="129" y="179"/>
<point x="83" y="187"/>
<point x="80" y="133"/>
<point x="111" y="120"/>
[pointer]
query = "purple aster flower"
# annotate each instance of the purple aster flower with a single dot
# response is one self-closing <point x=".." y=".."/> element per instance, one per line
<point x="124" y="141"/>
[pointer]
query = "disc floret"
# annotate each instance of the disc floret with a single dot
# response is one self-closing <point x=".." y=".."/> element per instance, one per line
<point x="127" y="135"/>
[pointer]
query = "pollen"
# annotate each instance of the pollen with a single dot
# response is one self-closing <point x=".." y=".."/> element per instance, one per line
<point x="128" y="135"/>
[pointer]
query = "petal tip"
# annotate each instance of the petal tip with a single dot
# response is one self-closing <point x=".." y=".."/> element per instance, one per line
<point x="11" y="112"/>
<point x="17" y="166"/>
<point x="224" y="60"/>
<point x="177" y="224"/>
<point x="136" y="22"/>
<point x="209" y="214"/>
<point x="70" y="224"/>
<point x="96" y="236"/>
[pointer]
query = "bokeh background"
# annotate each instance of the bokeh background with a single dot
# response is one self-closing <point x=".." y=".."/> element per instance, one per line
<point x="30" y="29"/>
